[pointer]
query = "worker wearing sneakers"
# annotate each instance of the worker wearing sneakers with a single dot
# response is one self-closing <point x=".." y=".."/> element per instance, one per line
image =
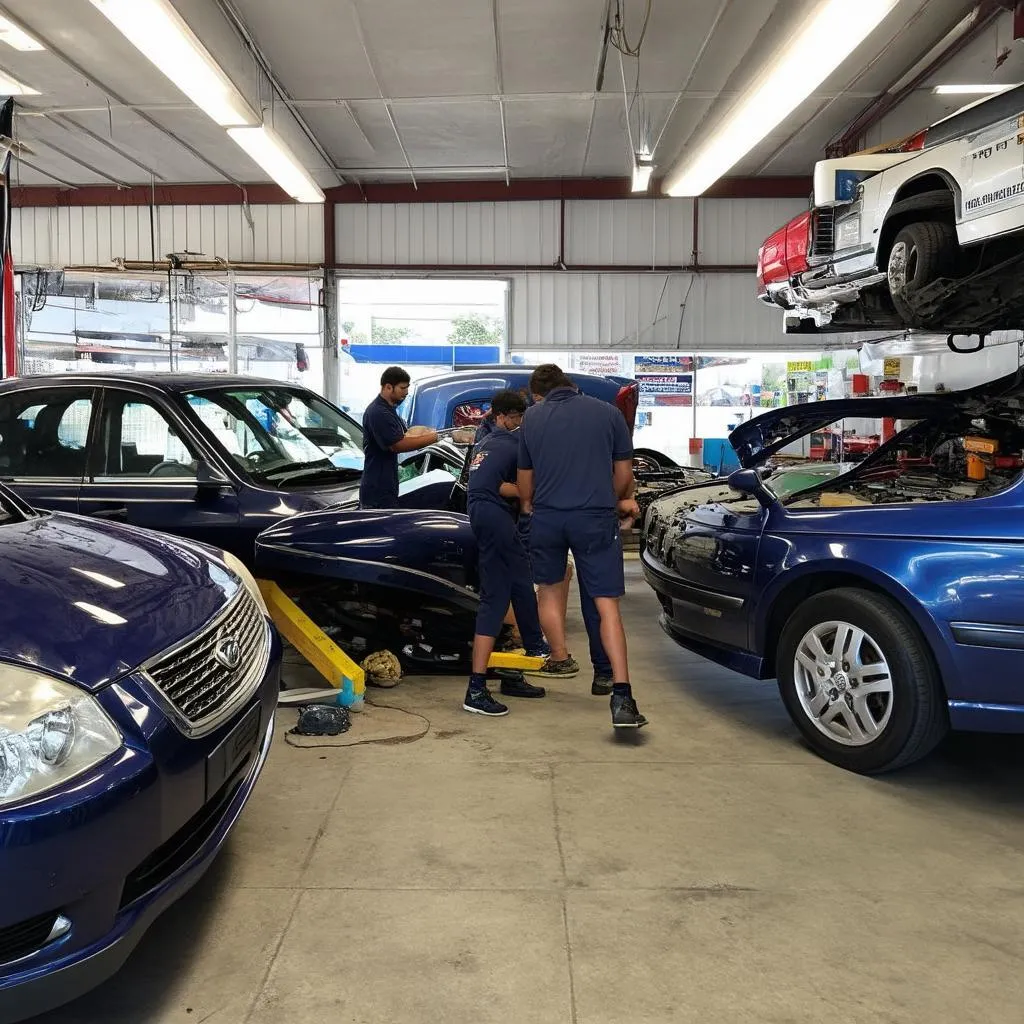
<point x="504" y="566"/>
<point x="576" y="478"/>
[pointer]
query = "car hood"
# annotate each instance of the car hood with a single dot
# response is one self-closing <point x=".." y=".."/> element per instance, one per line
<point x="89" y="602"/>
<point x="759" y="439"/>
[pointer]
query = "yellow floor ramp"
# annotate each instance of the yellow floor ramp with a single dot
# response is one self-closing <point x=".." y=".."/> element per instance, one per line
<point x="331" y="661"/>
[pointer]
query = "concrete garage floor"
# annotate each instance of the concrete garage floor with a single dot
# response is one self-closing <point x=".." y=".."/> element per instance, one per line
<point x="540" y="869"/>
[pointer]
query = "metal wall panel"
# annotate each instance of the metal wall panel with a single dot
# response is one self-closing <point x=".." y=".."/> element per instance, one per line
<point x="732" y="230"/>
<point x="448" y="234"/>
<point x="647" y="312"/>
<point x="631" y="232"/>
<point x="73" y="236"/>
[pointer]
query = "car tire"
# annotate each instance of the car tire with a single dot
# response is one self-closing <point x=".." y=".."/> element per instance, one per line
<point x="921" y="253"/>
<point x="901" y="719"/>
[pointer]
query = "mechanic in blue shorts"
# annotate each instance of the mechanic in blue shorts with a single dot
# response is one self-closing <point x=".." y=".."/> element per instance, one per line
<point x="576" y="478"/>
<point x="504" y="565"/>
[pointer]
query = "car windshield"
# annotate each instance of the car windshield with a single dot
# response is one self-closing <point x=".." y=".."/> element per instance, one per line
<point x="281" y="436"/>
<point x="11" y="510"/>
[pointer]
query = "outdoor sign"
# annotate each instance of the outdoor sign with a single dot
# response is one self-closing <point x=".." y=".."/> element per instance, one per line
<point x="665" y="389"/>
<point x="662" y="365"/>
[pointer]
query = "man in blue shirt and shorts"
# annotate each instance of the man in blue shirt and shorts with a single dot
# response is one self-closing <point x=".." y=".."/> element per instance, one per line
<point x="504" y="564"/>
<point x="576" y="478"/>
<point x="384" y="438"/>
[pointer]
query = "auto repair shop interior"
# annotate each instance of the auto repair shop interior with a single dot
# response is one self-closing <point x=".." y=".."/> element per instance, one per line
<point x="258" y="759"/>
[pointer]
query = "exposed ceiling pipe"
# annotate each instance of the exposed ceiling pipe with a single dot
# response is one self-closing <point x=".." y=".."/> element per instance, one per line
<point x="500" y="78"/>
<point x="984" y="15"/>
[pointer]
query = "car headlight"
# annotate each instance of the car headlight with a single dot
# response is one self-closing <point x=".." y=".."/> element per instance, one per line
<point x="50" y="732"/>
<point x="237" y="566"/>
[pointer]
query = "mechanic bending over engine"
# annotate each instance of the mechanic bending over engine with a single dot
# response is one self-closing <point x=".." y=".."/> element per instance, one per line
<point x="504" y="564"/>
<point x="385" y="437"/>
<point x="576" y="483"/>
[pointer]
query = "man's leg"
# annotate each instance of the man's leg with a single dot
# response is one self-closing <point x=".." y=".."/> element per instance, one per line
<point x="602" y="684"/>
<point x="597" y="549"/>
<point x="549" y="555"/>
<point x="495" y="594"/>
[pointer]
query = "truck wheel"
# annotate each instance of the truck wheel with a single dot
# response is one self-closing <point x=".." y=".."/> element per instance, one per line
<point x="859" y="682"/>
<point x="921" y="253"/>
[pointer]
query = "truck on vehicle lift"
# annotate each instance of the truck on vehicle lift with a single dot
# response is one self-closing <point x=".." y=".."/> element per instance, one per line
<point x="923" y="233"/>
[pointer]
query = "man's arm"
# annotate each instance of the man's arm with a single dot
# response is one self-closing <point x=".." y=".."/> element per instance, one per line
<point x="415" y="439"/>
<point x="509" y="490"/>
<point x="524" y="475"/>
<point x="622" y="478"/>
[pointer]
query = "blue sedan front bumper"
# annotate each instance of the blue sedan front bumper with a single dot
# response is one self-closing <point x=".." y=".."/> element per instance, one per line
<point x="83" y="881"/>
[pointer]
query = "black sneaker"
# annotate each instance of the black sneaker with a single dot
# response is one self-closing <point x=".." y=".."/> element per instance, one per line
<point x="567" y="669"/>
<point x="480" y="702"/>
<point x="625" y="713"/>
<point x="517" y="686"/>
<point x="602" y="684"/>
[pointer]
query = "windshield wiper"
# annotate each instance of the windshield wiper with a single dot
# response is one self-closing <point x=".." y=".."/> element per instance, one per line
<point x="313" y="472"/>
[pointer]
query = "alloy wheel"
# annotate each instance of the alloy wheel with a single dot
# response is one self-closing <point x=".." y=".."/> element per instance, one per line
<point x="843" y="683"/>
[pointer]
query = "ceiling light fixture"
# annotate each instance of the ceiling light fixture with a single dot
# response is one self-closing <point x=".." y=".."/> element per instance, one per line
<point x="267" y="148"/>
<point x="12" y="87"/>
<point x="971" y="90"/>
<point x="157" y="30"/>
<point x="16" y="37"/>
<point x="643" y="168"/>
<point x="825" y="39"/>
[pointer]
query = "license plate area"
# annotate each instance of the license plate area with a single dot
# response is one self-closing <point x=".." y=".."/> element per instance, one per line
<point x="233" y="751"/>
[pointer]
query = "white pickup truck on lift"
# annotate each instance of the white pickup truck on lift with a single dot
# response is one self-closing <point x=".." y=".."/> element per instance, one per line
<point x="924" y="235"/>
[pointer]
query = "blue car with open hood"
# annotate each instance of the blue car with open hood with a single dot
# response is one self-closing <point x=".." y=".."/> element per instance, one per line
<point x="888" y="600"/>
<point x="139" y="674"/>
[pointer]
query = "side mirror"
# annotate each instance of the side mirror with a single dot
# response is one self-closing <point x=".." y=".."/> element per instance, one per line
<point x="750" y="481"/>
<point x="209" y="480"/>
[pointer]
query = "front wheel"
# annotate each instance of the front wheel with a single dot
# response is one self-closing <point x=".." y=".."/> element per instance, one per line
<point x="922" y="253"/>
<point x="859" y="683"/>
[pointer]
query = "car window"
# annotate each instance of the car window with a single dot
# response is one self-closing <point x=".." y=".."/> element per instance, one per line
<point x="43" y="434"/>
<point x="140" y="440"/>
<point x="279" y="435"/>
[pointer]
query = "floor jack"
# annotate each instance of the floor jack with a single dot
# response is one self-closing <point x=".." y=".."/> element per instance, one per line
<point x="346" y="678"/>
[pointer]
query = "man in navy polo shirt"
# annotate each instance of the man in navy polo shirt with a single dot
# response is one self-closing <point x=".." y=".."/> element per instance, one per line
<point x="504" y="564"/>
<point x="576" y="478"/>
<point x="384" y="438"/>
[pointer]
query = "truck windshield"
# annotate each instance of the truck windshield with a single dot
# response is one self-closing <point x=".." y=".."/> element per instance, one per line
<point x="281" y="436"/>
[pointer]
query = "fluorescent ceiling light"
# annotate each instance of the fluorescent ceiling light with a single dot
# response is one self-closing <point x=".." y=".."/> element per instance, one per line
<point x="14" y="35"/>
<point x="642" y="176"/>
<point x="824" y="40"/>
<point x="270" y="152"/>
<point x="161" y="35"/>
<point x="12" y="87"/>
<point x="971" y="90"/>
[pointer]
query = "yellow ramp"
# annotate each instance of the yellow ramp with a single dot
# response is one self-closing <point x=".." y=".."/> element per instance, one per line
<point x="310" y="640"/>
<point x="515" y="661"/>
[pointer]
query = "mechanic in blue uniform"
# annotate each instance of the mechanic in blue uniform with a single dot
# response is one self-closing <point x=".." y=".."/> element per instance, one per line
<point x="576" y="478"/>
<point x="504" y="565"/>
<point x="384" y="438"/>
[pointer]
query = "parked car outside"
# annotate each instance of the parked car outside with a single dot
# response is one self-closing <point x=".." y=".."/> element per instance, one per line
<point x="138" y="680"/>
<point x="888" y="599"/>
<point x="212" y="457"/>
<point x="925" y="233"/>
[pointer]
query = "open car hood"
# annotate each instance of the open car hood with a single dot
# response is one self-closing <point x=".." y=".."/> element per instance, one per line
<point x="759" y="439"/>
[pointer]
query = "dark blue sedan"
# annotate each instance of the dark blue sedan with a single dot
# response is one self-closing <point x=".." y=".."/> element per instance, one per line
<point x="138" y="680"/>
<point x="210" y="457"/>
<point x="887" y="600"/>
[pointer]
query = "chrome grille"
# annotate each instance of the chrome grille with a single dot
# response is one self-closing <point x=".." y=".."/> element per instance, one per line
<point x="209" y="674"/>
<point x="824" y="240"/>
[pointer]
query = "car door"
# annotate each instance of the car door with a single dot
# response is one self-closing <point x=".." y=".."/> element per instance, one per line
<point x="714" y="551"/>
<point x="144" y="470"/>
<point x="44" y="436"/>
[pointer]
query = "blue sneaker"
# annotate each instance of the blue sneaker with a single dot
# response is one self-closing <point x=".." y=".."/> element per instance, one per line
<point x="480" y="702"/>
<point x="541" y="651"/>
